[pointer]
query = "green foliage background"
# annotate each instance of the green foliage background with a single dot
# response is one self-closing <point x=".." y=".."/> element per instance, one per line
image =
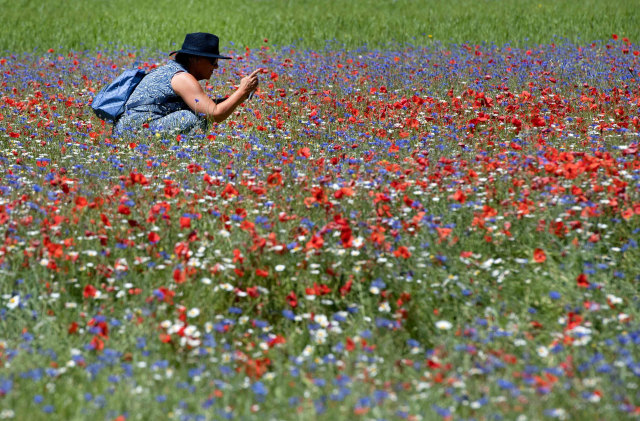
<point x="161" y="24"/>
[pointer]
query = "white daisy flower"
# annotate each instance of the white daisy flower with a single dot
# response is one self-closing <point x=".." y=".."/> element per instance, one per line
<point x="322" y="320"/>
<point x="320" y="336"/>
<point x="594" y="398"/>
<point x="443" y="325"/>
<point x="623" y="318"/>
<point x="13" y="302"/>
<point x="542" y="351"/>
<point x="193" y="342"/>
<point x="192" y="331"/>
<point x="613" y="300"/>
<point x="307" y="351"/>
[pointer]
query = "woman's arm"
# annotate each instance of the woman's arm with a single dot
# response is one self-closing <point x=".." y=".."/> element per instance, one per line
<point x="188" y="88"/>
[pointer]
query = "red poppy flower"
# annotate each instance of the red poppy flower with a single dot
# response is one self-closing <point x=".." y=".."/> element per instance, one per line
<point x="539" y="256"/>
<point x="124" y="210"/>
<point x="582" y="281"/>
<point x="81" y="202"/>
<point x="179" y="276"/>
<point x="89" y="291"/>
<point x="292" y="299"/>
<point x="316" y="242"/>
<point x="403" y="252"/>
<point x="153" y="237"/>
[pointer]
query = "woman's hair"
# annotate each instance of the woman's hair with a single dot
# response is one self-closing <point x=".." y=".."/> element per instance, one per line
<point x="183" y="59"/>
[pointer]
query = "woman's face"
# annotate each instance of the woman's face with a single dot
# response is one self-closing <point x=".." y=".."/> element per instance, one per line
<point x="205" y="67"/>
<point x="213" y="62"/>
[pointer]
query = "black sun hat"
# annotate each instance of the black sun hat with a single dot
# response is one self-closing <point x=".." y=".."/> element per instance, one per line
<point x="201" y="44"/>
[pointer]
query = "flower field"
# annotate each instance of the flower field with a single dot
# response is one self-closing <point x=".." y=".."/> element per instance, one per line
<point x="421" y="233"/>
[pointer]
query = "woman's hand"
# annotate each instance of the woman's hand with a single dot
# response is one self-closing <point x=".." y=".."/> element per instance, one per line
<point x="187" y="87"/>
<point x="249" y="83"/>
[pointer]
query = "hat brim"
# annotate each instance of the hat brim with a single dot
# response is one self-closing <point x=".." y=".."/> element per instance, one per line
<point x="200" y="54"/>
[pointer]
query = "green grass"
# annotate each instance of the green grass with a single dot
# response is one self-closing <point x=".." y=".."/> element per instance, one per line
<point x="161" y="24"/>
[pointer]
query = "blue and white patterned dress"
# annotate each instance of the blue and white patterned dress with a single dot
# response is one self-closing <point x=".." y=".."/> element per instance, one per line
<point x="166" y="111"/>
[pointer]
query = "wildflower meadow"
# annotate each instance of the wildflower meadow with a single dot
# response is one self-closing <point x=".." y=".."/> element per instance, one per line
<point x="442" y="232"/>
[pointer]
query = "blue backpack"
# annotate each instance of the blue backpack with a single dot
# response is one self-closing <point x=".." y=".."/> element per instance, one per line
<point x="110" y="102"/>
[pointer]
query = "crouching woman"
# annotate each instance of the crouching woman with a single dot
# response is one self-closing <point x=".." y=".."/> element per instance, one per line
<point x="170" y="99"/>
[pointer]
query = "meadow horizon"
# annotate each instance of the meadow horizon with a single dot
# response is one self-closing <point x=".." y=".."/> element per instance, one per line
<point x="81" y="25"/>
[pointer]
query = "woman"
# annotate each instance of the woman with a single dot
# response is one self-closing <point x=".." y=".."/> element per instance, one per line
<point x="170" y="99"/>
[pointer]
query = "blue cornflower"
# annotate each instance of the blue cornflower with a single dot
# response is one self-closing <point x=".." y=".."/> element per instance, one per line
<point x="259" y="389"/>
<point x="288" y="314"/>
<point x="208" y="403"/>
<point x="505" y="384"/>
